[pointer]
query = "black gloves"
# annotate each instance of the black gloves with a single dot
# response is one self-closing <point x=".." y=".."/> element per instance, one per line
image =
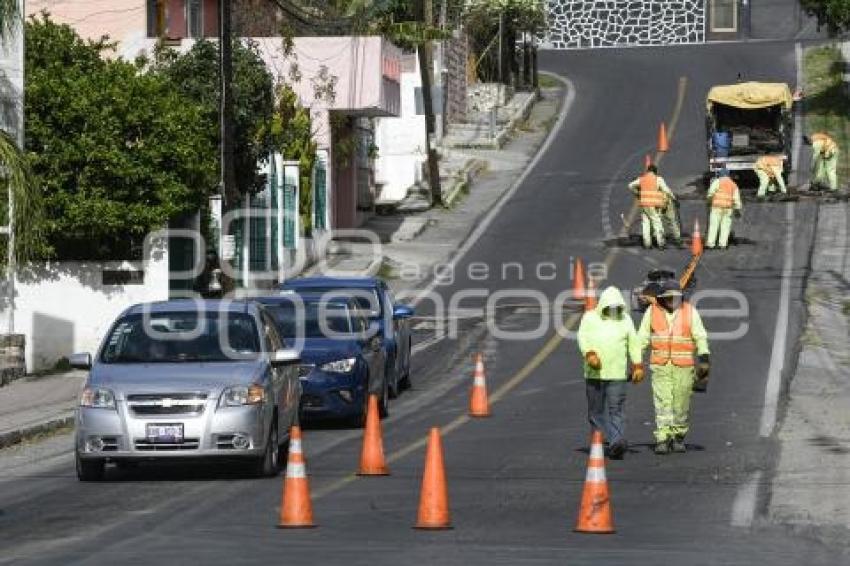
<point x="737" y="214"/>
<point x="702" y="371"/>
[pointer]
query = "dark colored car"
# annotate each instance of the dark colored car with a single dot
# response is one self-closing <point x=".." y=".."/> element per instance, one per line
<point x="342" y="362"/>
<point x="392" y="319"/>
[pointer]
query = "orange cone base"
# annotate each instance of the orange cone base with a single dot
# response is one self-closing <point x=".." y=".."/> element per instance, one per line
<point x="433" y="527"/>
<point x="310" y="526"/>
<point x="378" y="472"/>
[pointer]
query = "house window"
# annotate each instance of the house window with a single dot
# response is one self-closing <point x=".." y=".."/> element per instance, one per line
<point x="195" y="17"/>
<point x="724" y="15"/>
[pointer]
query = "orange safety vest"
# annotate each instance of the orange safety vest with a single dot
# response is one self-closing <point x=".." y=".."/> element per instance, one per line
<point x="724" y="196"/>
<point x="768" y="163"/>
<point x="650" y="196"/>
<point x="672" y="343"/>
<point x="829" y="145"/>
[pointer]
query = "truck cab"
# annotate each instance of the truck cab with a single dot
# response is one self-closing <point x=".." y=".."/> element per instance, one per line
<point x="746" y="121"/>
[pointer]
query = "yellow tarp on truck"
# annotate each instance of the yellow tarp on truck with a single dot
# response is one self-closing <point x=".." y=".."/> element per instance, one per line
<point x="751" y="95"/>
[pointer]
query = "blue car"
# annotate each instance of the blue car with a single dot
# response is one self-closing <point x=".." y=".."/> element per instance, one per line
<point x="391" y="319"/>
<point x="342" y="362"/>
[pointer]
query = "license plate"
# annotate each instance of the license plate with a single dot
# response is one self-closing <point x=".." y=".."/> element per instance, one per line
<point x="165" y="433"/>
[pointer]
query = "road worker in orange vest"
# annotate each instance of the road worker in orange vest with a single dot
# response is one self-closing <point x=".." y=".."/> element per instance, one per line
<point x="769" y="172"/>
<point x="653" y="194"/>
<point x="725" y="201"/>
<point x="674" y="332"/>
<point x="824" y="160"/>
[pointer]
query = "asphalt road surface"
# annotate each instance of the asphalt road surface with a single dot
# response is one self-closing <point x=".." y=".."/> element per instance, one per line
<point x="515" y="479"/>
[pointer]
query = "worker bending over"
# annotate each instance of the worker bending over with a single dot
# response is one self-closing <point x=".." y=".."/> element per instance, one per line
<point x="769" y="171"/>
<point x="824" y="161"/>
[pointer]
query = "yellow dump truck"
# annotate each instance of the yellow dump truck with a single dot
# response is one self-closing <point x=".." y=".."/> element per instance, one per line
<point x="748" y="120"/>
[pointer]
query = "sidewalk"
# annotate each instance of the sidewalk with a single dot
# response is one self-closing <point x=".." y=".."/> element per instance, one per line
<point x="810" y="487"/>
<point x="417" y="241"/>
<point x="38" y="405"/>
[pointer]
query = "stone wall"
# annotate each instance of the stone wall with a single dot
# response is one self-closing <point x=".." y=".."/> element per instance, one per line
<point x="456" y="53"/>
<point x="611" y="23"/>
<point x="482" y="97"/>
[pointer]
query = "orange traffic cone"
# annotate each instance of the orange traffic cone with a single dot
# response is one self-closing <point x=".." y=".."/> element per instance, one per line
<point x="479" y="404"/>
<point x="578" y="281"/>
<point x="590" y="298"/>
<point x="696" y="240"/>
<point x="372" y="455"/>
<point x="296" y="509"/>
<point x="594" y="515"/>
<point x="647" y="161"/>
<point x="434" y="499"/>
<point x="663" y="144"/>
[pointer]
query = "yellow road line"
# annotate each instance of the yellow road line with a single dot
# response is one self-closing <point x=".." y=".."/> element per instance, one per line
<point x="531" y="366"/>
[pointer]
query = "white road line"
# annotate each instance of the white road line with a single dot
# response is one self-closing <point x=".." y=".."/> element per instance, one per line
<point x="744" y="509"/>
<point x="494" y="212"/>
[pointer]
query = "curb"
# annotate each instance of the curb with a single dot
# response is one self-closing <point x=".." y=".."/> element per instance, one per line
<point x="13" y="437"/>
<point x="471" y="169"/>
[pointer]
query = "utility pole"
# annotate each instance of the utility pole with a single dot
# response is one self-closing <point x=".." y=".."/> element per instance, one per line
<point x="426" y="17"/>
<point x="230" y="197"/>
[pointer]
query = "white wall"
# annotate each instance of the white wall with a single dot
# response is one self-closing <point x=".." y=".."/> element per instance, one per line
<point x="64" y="307"/>
<point x="401" y="141"/>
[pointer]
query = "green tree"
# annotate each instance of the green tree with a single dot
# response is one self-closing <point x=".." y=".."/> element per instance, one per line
<point x="833" y="14"/>
<point x="17" y="180"/>
<point x="290" y="133"/>
<point x="195" y="75"/>
<point x="116" y="151"/>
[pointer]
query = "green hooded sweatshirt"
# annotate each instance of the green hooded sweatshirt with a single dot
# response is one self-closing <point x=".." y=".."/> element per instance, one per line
<point x="613" y="339"/>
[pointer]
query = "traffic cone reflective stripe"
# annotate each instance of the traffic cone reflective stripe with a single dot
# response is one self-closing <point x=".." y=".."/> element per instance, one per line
<point x="296" y="508"/>
<point x="479" y="404"/>
<point x="663" y="144"/>
<point x="372" y="461"/>
<point x="434" y="498"/>
<point x="590" y="297"/>
<point x="696" y="240"/>
<point x="595" y="515"/>
<point x="578" y="281"/>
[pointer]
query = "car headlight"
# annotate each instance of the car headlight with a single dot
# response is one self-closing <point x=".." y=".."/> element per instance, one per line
<point x="242" y="395"/>
<point x="339" y="366"/>
<point x="97" y="398"/>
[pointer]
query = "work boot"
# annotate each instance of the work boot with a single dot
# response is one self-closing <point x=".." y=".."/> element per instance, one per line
<point x="618" y="450"/>
<point x="677" y="445"/>
<point x="662" y="448"/>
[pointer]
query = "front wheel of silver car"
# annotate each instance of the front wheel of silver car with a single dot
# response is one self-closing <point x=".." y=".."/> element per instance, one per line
<point x="268" y="464"/>
<point x="89" y="469"/>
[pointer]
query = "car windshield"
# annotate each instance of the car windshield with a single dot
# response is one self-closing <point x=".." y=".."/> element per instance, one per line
<point x="182" y="337"/>
<point x="367" y="299"/>
<point x="319" y="320"/>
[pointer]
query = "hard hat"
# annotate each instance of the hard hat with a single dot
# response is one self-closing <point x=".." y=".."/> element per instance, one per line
<point x="670" y="288"/>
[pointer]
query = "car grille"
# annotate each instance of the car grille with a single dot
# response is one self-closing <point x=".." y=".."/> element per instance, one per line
<point x="305" y="369"/>
<point x="148" y="446"/>
<point x="167" y="404"/>
<point x="110" y="444"/>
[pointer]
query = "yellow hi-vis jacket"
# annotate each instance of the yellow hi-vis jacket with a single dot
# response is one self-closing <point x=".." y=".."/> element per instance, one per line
<point x="824" y="144"/>
<point x="613" y="339"/>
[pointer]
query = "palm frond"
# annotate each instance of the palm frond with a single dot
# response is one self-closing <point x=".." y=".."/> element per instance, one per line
<point x="10" y="18"/>
<point x="15" y="176"/>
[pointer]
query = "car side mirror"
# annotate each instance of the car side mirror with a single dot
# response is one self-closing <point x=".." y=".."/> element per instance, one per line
<point x="80" y="361"/>
<point x="403" y="312"/>
<point x="285" y="357"/>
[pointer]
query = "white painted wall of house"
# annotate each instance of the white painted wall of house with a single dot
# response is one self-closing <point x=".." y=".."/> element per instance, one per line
<point x="64" y="307"/>
<point x="401" y="141"/>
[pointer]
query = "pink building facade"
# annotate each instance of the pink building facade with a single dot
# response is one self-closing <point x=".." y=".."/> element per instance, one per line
<point x="364" y="73"/>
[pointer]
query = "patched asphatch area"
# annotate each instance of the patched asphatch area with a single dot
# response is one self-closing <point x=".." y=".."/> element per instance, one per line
<point x="601" y="23"/>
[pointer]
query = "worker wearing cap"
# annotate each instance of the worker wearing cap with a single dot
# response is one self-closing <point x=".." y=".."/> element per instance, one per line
<point x="769" y="172"/>
<point x="824" y="160"/>
<point x="653" y="195"/>
<point x="673" y="330"/>
<point x="608" y="341"/>
<point x="725" y="201"/>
